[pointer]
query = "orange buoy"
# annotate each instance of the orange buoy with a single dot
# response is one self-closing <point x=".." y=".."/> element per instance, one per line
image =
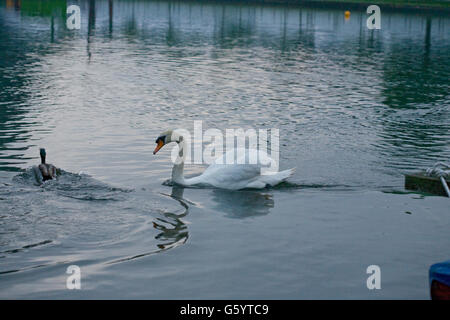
<point x="347" y="15"/>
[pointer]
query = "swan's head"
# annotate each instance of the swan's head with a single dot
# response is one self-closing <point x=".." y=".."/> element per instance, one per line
<point x="166" y="138"/>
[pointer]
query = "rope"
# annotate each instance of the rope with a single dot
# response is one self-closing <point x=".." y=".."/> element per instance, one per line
<point x="442" y="171"/>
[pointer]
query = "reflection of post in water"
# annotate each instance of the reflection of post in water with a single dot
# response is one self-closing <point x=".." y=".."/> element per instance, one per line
<point x="283" y="37"/>
<point x="52" y="28"/>
<point x="300" y="20"/>
<point x="427" y="40"/>
<point x="91" y="19"/>
<point x="222" y="25"/>
<point x="170" y="35"/>
<point x="91" y="26"/>
<point x="240" y="19"/>
<point x="110" y="7"/>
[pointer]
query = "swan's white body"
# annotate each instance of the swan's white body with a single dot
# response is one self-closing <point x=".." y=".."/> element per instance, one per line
<point x="240" y="174"/>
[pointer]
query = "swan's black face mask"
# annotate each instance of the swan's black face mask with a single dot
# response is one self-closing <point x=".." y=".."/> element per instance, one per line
<point x="160" y="141"/>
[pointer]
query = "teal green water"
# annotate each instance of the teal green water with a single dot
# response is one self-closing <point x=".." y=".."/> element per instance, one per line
<point x="356" y="109"/>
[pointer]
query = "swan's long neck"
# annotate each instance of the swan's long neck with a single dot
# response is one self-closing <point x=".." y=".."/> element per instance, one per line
<point x="178" y="167"/>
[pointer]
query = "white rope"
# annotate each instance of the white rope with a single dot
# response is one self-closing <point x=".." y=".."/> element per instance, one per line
<point x="442" y="171"/>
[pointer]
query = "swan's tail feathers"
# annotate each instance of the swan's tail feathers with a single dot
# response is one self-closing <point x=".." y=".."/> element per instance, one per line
<point x="286" y="174"/>
<point x="276" y="178"/>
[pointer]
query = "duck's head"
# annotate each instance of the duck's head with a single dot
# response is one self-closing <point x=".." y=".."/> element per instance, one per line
<point x="166" y="138"/>
<point x="43" y="154"/>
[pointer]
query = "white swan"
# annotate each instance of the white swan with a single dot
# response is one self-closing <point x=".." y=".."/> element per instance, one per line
<point x="233" y="176"/>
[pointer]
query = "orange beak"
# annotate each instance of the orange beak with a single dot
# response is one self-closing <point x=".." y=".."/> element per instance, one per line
<point x="158" y="146"/>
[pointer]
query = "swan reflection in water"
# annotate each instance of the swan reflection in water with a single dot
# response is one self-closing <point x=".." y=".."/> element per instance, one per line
<point x="235" y="203"/>
<point x="173" y="232"/>
<point x="243" y="203"/>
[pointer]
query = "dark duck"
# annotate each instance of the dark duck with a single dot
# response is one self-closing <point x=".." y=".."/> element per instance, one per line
<point x="47" y="170"/>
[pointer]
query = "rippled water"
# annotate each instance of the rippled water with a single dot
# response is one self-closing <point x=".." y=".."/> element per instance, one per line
<point x="356" y="109"/>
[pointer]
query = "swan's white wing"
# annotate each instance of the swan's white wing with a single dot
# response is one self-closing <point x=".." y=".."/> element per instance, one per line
<point x="236" y="169"/>
<point x="242" y="172"/>
<point x="243" y="156"/>
<point x="230" y="176"/>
